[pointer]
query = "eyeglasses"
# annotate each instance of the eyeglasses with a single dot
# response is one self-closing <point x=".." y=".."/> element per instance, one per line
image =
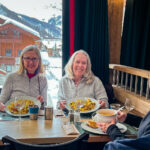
<point x="28" y="59"/>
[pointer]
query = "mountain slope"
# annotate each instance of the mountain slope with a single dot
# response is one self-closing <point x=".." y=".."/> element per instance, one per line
<point x="46" y="30"/>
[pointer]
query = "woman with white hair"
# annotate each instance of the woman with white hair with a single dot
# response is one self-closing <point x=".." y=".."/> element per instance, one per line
<point x="29" y="80"/>
<point x="79" y="81"/>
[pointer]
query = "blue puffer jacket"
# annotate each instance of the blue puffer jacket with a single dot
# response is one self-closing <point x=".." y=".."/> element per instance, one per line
<point x="142" y="142"/>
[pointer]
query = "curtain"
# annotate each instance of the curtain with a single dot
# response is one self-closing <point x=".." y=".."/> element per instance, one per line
<point x="91" y="33"/>
<point x="65" y="33"/>
<point x="135" y="49"/>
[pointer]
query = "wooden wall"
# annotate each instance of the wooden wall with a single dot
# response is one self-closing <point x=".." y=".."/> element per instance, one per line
<point x="115" y="15"/>
<point x="14" y="43"/>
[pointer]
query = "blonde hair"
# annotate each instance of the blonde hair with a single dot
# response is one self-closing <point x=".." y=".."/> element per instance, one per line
<point x="37" y="51"/>
<point x="88" y="75"/>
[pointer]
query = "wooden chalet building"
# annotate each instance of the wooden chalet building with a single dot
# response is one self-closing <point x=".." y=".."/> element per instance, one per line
<point x="14" y="36"/>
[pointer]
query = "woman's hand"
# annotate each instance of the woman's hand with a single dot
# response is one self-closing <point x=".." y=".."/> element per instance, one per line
<point x="104" y="126"/>
<point x="102" y="103"/>
<point x="62" y="104"/>
<point x="121" y="116"/>
<point x="40" y="98"/>
<point x="2" y="107"/>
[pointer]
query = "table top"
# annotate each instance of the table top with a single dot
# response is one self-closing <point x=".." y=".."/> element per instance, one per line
<point x="44" y="131"/>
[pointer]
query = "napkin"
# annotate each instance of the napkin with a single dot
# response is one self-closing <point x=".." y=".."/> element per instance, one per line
<point x="59" y="113"/>
<point x="70" y="129"/>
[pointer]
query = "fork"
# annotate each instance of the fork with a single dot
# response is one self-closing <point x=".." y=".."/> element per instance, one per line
<point x="121" y="108"/>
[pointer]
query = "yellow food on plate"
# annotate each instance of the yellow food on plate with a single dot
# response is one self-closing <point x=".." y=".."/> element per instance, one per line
<point x="11" y="107"/>
<point x="84" y="105"/>
<point x="92" y="124"/>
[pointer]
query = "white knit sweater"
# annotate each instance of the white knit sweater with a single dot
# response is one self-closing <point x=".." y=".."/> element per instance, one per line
<point x="21" y="85"/>
<point x="68" y="89"/>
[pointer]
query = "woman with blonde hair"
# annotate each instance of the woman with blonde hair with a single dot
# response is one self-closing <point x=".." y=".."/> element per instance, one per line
<point x="79" y="81"/>
<point x="29" y="80"/>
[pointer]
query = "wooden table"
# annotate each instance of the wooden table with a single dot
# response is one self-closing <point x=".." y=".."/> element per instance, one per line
<point x="41" y="131"/>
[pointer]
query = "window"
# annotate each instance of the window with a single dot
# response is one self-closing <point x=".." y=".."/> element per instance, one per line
<point x="19" y="52"/>
<point x="16" y="33"/>
<point x="4" y="32"/>
<point x="8" y="52"/>
<point x="33" y="22"/>
<point x="8" y="68"/>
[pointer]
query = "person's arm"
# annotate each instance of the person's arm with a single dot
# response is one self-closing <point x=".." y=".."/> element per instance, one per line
<point x="121" y="116"/>
<point x="61" y="99"/>
<point x="43" y="89"/>
<point x="111" y="129"/>
<point x="141" y="143"/>
<point x="61" y="91"/>
<point x="2" y="107"/>
<point x="114" y="132"/>
<point x="100" y="92"/>
<point x="6" y="90"/>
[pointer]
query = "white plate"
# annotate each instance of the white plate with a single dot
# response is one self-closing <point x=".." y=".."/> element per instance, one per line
<point x="36" y="102"/>
<point x="97" y="106"/>
<point x="84" y="125"/>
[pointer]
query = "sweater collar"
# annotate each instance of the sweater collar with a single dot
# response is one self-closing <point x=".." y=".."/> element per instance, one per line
<point x="29" y="75"/>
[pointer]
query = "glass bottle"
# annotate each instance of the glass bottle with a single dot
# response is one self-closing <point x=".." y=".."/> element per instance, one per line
<point x="77" y="116"/>
<point x="71" y="116"/>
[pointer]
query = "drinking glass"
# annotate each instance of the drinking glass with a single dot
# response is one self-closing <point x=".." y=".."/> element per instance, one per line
<point x="65" y="121"/>
<point x="128" y="105"/>
<point x="19" y="104"/>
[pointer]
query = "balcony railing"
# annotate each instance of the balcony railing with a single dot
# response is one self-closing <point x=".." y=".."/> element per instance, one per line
<point x="8" y="38"/>
<point x="132" y="83"/>
<point x="7" y="60"/>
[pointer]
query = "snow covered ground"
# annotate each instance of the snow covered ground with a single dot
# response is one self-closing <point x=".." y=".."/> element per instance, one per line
<point x="54" y="74"/>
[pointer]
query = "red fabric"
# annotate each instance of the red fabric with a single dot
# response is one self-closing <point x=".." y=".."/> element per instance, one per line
<point x="72" y="27"/>
<point x="30" y="75"/>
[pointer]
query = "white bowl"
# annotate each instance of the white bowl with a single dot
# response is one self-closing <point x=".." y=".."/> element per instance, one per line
<point x="104" y="115"/>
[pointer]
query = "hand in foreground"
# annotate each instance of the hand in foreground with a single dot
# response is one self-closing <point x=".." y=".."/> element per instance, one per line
<point x="62" y="104"/>
<point x="121" y="116"/>
<point x="40" y="98"/>
<point x="104" y="126"/>
<point x="102" y="103"/>
<point x="2" y="107"/>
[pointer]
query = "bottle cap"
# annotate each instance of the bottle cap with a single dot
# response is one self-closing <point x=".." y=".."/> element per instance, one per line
<point x="71" y="110"/>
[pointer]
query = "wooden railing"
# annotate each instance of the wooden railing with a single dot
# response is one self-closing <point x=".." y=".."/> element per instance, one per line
<point x="132" y="83"/>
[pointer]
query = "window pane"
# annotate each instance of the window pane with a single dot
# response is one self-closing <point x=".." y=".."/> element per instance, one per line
<point x="32" y="22"/>
<point x="8" y="68"/>
<point x="19" y="52"/>
<point x="8" y="52"/>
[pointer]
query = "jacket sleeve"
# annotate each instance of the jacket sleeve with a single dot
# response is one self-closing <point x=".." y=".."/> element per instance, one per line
<point x="99" y="91"/>
<point x="44" y="88"/>
<point x="60" y="91"/>
<point x="114" y="132"/>
<point x="7" y="89"/>
<point x="141" y="143"/>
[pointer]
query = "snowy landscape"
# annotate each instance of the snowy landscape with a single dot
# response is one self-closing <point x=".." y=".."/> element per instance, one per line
<point x="54" y="74"/>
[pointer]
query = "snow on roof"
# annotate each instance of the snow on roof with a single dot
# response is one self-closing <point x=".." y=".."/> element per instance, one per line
<point x="2" y="72"/>
<point x="22" y="26"/>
